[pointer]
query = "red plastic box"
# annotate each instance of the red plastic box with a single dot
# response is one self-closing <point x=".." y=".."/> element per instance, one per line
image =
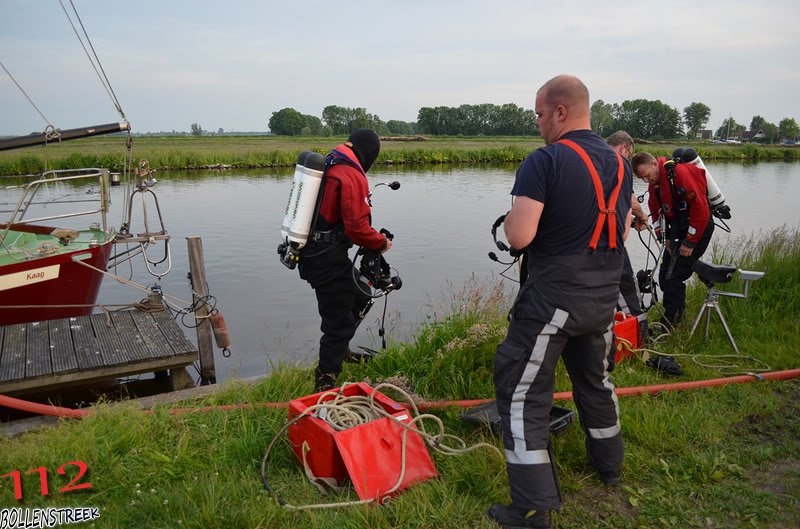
<point x="369" y="454"/>
<point x="627" y="327"/>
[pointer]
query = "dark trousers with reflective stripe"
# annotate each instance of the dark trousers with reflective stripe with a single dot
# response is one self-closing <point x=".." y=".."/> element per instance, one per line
<point x="674" y="286"/>
<point x="553" y="317"/>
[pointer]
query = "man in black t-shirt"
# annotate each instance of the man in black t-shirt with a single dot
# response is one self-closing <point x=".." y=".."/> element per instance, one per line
<point x="571" y="213"/>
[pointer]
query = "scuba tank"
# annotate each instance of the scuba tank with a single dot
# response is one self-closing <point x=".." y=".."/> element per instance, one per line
<point x="300" y="209"/>
<point x="715" y="197"/>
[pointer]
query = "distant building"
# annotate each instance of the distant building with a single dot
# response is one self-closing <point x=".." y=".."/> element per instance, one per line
<point x="753" y="135"/>
<point x="704" y="134"/>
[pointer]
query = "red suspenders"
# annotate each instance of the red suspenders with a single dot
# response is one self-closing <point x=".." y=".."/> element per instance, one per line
<point x="609" y="213"/>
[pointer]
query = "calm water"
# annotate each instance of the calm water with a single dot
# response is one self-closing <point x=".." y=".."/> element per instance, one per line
<point x="441" y="219"/>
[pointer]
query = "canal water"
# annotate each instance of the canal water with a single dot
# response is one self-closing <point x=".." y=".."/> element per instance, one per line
<point x="441" y="218"/>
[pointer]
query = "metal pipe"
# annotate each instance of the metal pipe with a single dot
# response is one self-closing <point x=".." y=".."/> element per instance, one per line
<point x="61" y="135"/>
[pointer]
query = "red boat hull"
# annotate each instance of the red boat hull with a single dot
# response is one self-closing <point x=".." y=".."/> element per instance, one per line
<point x="45" y="283"/>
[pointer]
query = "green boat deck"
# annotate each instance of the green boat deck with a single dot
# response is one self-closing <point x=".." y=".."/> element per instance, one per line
<point x="19" y="246"/>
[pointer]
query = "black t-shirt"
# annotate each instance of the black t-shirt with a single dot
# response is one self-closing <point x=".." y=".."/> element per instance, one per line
<point x="556" y="175"/>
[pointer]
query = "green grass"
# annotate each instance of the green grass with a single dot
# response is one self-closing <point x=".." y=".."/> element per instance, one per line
<point x="718" y="457"/>
<point x="190" y="152"/>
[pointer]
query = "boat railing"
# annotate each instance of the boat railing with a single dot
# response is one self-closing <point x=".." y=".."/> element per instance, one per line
<point x="32" y="189"/>
<point x="130" y="242"/>
<point x="138" y="242"/>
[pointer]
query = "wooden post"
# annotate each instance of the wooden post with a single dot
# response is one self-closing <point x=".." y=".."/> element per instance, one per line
<point x="205" y="345"/>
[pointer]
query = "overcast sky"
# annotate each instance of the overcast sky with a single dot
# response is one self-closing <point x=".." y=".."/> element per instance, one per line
<point x="230" y="64"/>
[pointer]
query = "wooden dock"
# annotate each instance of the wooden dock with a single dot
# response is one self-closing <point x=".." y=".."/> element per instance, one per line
<point x="52" y="354"/>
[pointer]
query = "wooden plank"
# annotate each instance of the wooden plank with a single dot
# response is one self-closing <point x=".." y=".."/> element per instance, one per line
<point x="129" y="335"/>
<point x="175" y="337"/>
<point x="87" y="349"/>
<point x="58" y="353"/>
<point x="151" y="334"/>
<point x="38" y="362"/>
<point x="62" y="353"/>
<point x="85" y="376"/>
<point x="115" y="351"/>
<point x="12" y="363"/>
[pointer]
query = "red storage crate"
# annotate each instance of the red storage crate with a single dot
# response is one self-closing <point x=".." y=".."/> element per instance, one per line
<point x="627" y="327"/>
<point x="369" y="454"/>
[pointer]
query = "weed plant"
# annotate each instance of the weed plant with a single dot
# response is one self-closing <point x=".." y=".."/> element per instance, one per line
<point x="717" y="457"/>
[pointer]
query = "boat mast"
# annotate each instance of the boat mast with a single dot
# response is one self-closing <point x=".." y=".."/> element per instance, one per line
<point x="62" y="135"/>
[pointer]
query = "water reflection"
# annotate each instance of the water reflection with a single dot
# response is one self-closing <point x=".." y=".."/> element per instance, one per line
<point x="441" y="217"/>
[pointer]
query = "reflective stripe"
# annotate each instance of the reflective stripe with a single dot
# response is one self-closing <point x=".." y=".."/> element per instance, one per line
<point x="641" y="317"/>
<point x="604" y="433"/>
<point x="609" y="336"/>
<point x="623" y="305"/>
<point x="516" y="419"/>
<point x="530" y="457"/>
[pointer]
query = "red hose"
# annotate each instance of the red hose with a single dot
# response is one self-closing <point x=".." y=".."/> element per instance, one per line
<point x="640" y="390"/>
<point x="47" y="409"/>
<point x="42" y="409"/>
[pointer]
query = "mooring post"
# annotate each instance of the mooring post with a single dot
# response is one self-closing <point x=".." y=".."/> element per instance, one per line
<point x="205" y="346"/>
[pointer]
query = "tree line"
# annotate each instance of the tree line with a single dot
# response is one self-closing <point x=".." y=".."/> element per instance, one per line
<point x="642" y="118"/>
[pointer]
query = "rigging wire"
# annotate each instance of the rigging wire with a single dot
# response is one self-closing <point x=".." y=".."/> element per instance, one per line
<point x="26" y="95"/>
<point x="101" y="73"/>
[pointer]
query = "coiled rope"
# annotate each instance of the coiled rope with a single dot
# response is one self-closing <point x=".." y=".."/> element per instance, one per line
<point x="343" y="412"/>
<point x="727" y="366"/>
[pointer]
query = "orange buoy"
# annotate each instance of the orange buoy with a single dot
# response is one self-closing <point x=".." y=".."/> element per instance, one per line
<point x="220" y="330"/>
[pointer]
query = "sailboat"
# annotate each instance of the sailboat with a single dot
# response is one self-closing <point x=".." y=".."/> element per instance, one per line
<point x="48" y="266"/>
<point x="56" y="243"/>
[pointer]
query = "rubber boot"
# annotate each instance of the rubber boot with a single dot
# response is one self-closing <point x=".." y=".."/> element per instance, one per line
<point x="324" y="381"/>
<point x="510" y="517"/>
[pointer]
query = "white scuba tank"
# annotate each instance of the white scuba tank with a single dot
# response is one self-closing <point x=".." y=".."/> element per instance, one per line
<point x="302" y="199"/>
<point x="715" y="197"/>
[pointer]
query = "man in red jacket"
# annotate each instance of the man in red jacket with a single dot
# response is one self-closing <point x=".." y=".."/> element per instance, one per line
<point x="344" y="219"/>
<point x="678" y="193"/>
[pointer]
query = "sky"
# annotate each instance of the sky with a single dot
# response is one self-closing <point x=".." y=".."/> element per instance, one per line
<point x="230" y="64"/>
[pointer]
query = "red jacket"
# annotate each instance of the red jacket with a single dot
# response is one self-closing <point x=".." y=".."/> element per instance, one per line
<point x="345" y="201"/>
<point x="693" y="180"/>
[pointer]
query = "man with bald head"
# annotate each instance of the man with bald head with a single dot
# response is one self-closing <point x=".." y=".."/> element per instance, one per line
<point x="571" y="214"/>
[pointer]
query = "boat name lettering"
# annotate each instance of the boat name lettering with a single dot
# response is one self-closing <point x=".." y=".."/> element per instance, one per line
<point x="29" y="277"/>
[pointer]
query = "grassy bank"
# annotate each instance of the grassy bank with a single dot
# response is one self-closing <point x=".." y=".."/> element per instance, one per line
<point x="718" y="457"/>
<point x="188" y="152"/>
